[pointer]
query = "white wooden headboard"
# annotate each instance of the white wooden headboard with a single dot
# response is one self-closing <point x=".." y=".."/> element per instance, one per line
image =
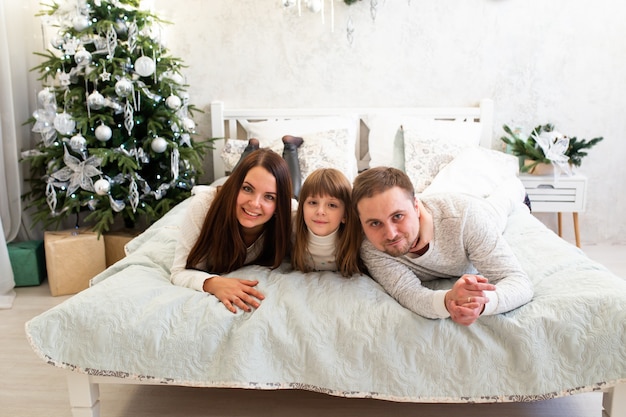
<point x="226" y="122"/>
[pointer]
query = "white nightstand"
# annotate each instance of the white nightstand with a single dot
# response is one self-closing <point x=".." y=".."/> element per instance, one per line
<point x="557" y="195"/>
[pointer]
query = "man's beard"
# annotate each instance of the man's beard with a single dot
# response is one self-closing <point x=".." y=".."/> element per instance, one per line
<point x="399" y="250"/>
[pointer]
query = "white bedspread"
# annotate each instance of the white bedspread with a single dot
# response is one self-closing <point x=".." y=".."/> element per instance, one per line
<point x="345" y="337"/>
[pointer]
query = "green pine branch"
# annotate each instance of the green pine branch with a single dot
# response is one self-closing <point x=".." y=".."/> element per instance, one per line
<point x="529" y="149"/>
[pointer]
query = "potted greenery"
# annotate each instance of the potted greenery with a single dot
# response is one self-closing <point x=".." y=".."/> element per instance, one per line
<point x="545" y="145"/>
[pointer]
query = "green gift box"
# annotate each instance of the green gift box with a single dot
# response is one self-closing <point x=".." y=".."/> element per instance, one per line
<point x="28" y="262"/>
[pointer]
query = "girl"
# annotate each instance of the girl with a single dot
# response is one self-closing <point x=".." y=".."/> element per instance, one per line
<point x="247" y="222"/>
<point x="327" y="231"/>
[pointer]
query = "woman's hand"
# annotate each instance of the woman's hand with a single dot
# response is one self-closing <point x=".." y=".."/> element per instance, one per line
<point x="234" y="292"/>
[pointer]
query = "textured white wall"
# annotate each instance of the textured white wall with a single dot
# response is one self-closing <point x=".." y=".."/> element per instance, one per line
<point x="558" y="61"/>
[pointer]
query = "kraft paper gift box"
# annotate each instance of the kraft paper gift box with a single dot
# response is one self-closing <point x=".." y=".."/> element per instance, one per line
<point x="73" y="257"/>
<point x="114" y="243"/>
<point x="28" y="262"/>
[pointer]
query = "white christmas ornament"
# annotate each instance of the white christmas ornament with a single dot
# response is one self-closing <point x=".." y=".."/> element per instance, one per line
<point x="116" y="205"/>
<point x="44" y="124"/>
<point x="173" y="102"/>
<point x="64" y="124"/>
<point x="188" y="124"/>
<point x="102" y="186"/>
<point x="159" y="145"/>
<point x="46" y="97"/>
<point x="184" y="96"/>
<point x="176" y="78"/>
<point x="80" y="22"/>
<point x="78" y="172"/>
<point x="70" y="45"/>
<point x="120" y="27"/>
<point x="57" y="42"/>
<point x="82" y="58"/>
<point x="44" y="120"/>
<point x="185" y="139"/>
<point x="145" y="66"/>
<point x="95" y="100"/>
<point x="78" y="142"/>
<point x="314" y="5"/>
<point x="123" y="87"/>
<point x="64" y="79"/>
<point x="103" y="133"/>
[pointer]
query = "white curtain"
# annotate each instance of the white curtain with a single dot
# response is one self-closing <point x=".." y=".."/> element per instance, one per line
<point x="17" y="38"/>
<point x="7" y="294"/>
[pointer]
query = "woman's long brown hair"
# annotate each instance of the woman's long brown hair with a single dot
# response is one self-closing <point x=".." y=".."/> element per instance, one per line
<point x="331" y="182"/>
<point x="220" y="248"/>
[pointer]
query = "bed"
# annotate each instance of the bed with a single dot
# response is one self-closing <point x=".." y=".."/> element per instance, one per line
<point x="345" y="336"/>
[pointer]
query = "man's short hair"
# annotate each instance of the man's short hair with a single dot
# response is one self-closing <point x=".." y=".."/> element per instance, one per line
<point x="378" y="180"/>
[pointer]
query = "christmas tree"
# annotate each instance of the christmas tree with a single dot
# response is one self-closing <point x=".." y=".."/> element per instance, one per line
<point x="114" y="117"/>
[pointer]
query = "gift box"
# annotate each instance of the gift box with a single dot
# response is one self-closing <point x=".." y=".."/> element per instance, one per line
<point x="114" y="243"/>
<point x="28" y="262"/>
<point x="73" y="257"/>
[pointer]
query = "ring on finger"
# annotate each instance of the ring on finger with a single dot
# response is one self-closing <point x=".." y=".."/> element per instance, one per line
<point x="469" y="299"/>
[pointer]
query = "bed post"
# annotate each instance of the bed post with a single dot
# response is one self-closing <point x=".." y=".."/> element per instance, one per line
<point x="217" y="131"/>
<point x="614" y="401"/>
<point x="84" y="395"/>
<point x="486" y="120"/>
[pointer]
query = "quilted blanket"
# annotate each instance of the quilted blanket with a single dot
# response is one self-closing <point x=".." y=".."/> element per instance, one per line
<point x="345" y="336"/>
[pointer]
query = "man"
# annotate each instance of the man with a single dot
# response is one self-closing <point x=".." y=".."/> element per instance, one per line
<point x="410" y="241"/>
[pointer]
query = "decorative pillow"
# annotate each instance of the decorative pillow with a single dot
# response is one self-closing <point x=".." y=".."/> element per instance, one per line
<point x="231" y="152"/>
<point x="424" y="158"/>
<point x="328" y="149"/>
<point x="429" y="145"/>
<point x="386" y="129"/>
<point x="270" y="133"/>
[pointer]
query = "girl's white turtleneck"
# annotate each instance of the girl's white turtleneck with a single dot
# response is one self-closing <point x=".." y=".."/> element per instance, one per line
<point x="322" y="251"/>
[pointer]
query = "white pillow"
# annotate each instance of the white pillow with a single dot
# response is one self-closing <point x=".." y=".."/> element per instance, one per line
<point x="458" y="131"/>
<point x="429" y="145"/>
<point x="477" y="171"/>
<point x="385" y="141"/>
<point x="327" y="149"/>
<point x="485" y="173"/>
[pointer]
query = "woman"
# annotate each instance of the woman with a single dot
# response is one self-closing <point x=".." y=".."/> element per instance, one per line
<point x="247" y="222"/>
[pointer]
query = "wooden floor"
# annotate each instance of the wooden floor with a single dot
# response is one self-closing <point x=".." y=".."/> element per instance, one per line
<point x="29" y="387"/>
